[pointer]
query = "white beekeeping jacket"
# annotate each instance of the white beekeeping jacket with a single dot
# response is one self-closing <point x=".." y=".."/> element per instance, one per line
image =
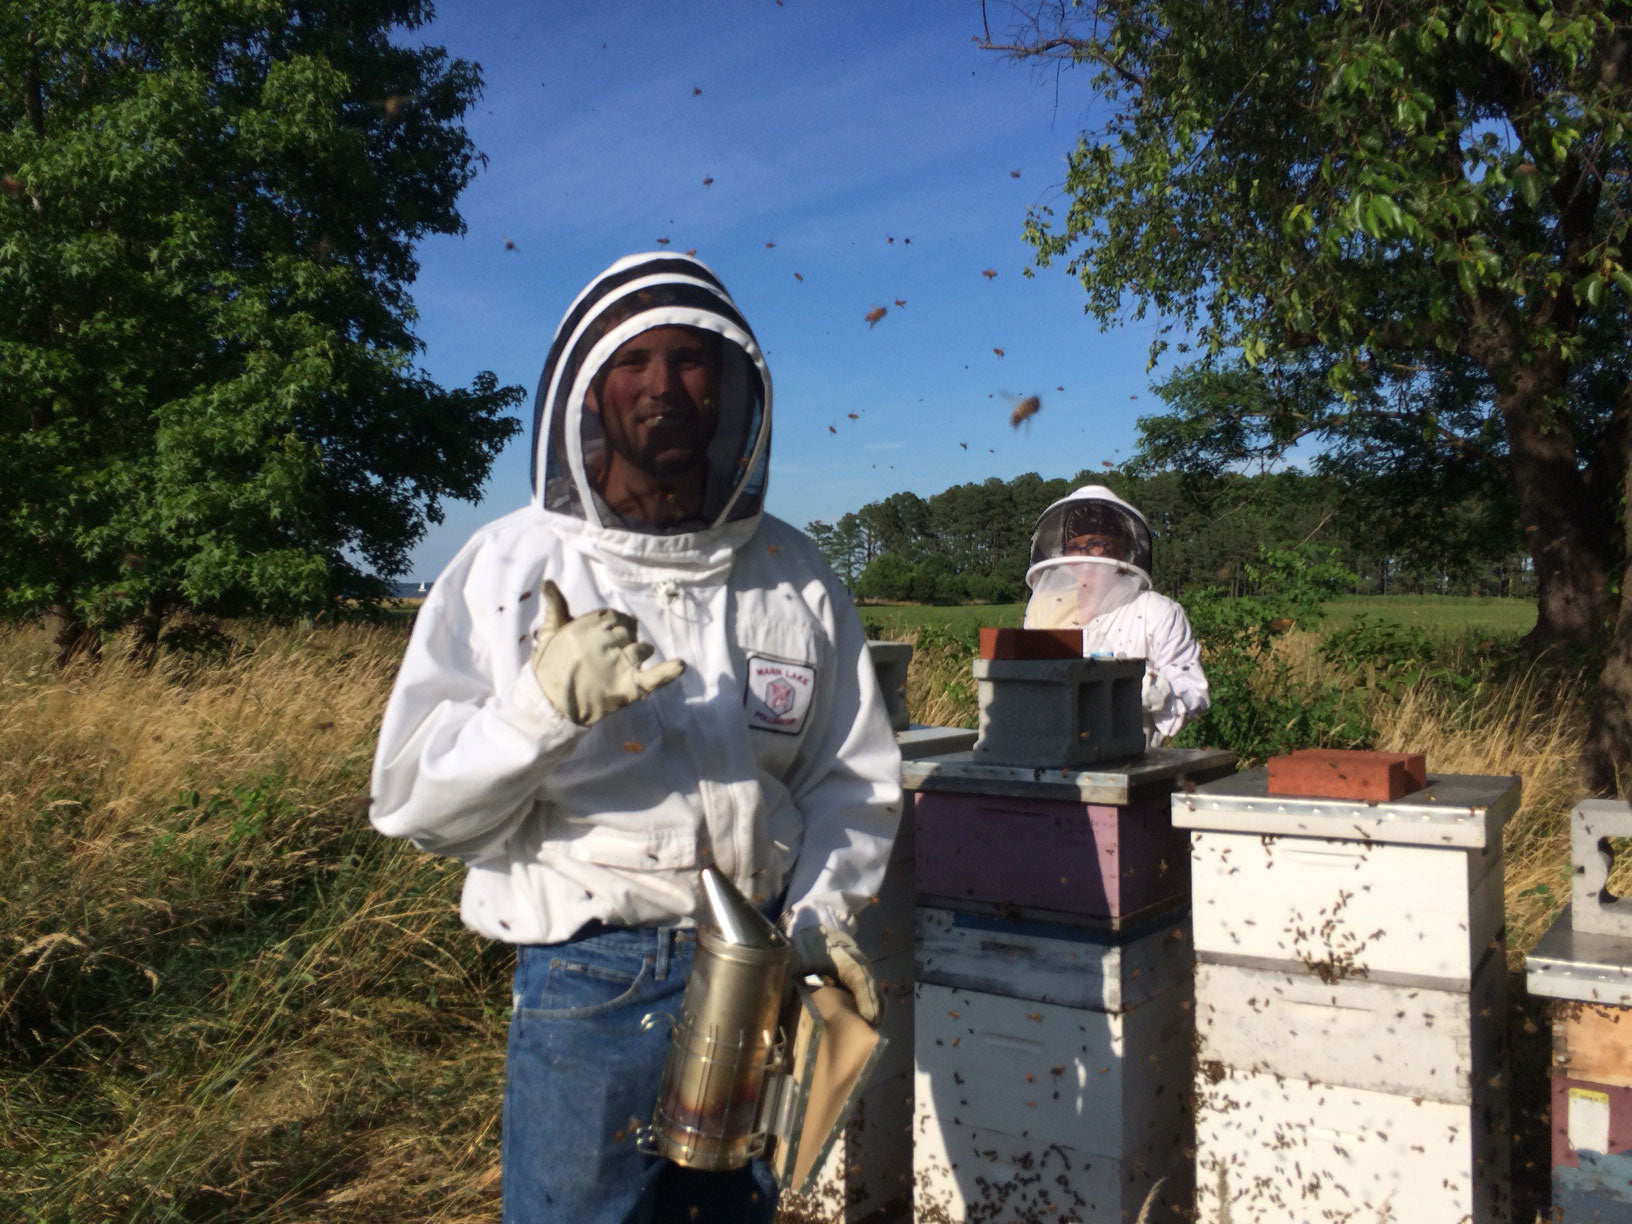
<point x="771" y="756"/>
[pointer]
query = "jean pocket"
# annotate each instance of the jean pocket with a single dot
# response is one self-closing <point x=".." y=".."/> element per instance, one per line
<point x="577" y="989"/>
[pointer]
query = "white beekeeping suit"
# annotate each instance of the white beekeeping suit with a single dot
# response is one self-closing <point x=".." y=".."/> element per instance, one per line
<point x="1090" y="569"/>
<point x="638" y="674"/>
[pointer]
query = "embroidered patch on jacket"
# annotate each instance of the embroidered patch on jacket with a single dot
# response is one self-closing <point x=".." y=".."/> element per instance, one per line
<point x="778" y="696"/>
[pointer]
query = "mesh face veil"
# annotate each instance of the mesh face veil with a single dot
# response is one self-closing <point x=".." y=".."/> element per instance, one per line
<point x="1090" y="555"/>
<point x="653" y="412"/>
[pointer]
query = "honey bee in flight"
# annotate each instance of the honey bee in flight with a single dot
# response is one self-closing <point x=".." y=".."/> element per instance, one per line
<point x="875" y="314"/>
<point x="1025" y="409"/>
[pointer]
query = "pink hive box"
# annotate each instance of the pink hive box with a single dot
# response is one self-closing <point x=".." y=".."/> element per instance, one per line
<point x="1101" y="862"/>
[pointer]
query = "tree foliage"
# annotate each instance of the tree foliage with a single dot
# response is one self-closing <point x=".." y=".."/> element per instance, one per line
<point x="207" y="217"/>
<point x="971" y="542"/>
<point x="1380" y="206"/>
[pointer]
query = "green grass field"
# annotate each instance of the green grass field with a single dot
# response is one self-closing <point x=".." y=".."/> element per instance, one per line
<point x="1441" y="616"/>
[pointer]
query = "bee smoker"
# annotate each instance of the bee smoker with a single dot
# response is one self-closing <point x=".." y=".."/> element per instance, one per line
<point x="752" y="1072"/>
<point x="711" y="1110"/>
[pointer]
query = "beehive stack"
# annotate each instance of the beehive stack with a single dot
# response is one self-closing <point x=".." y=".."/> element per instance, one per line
<point x="1052" y="1000"/>
<point x="1349" y="984"/>
<point x="1585" y="963"/>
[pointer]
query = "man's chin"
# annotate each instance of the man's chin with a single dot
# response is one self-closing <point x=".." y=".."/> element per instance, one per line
<point x="674" y="464"/>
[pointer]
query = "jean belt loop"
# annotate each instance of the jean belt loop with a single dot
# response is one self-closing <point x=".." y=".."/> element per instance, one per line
<point x="665" y="947"/>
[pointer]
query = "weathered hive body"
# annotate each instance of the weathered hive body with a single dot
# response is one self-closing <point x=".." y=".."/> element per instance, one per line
<point x="1349" y="1000"/>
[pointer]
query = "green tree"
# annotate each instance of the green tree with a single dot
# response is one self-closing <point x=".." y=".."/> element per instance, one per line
<point x="888" y="576"/>
<point x="207" y="217"/>
<point x="1371" y="189"/>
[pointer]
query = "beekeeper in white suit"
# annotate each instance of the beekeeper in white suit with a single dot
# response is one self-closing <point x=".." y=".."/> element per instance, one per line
<point x="637" y="674"/>
<point x="1090" y="569"/>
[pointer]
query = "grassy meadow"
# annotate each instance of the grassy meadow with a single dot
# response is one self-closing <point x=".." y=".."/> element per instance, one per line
<point x="223" y="997"/>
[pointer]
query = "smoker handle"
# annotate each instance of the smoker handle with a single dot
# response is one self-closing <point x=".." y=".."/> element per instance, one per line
<point x="652" y="1019"/>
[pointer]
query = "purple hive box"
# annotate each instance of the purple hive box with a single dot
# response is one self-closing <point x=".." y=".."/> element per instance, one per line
<point x="1101" y="862"/>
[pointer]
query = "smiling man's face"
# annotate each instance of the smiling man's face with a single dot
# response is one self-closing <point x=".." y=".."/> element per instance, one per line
<point x="658" y="400"/>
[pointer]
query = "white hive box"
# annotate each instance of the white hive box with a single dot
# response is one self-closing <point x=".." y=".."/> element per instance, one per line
<point x="1408" y="892"/>
<point x="1049" y="963"/>
<point x="1320" y="1097"/>
<point x="1441" y="1045"/>
<point x="966" y="1173"/>
<point x="1279" y="1150"/>
<point x="1002" y="1082"/>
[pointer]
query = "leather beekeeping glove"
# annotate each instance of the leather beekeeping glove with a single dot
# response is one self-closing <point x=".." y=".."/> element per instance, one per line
<point x="590" y="665"/>
<point x="830" y="952"/>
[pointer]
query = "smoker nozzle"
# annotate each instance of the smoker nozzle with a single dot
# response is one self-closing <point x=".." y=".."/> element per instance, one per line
<point x="733" y="917"/>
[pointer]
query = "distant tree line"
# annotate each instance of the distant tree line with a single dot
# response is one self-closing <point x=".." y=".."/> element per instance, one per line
<point x="971" y="543"/>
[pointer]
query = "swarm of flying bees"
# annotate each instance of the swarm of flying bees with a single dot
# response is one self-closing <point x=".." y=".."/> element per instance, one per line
<point x="1025" y="410"/>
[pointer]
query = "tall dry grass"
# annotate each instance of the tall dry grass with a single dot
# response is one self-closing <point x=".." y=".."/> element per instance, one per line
<point x="223" y="997"/>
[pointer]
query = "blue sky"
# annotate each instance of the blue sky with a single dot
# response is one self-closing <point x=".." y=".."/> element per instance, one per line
<point x="827" y="129"/>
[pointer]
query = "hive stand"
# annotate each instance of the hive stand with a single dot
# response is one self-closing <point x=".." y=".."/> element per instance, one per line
<point x="1349" y="985"/>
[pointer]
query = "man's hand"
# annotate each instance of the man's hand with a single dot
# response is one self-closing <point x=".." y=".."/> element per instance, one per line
<point x="1154" y="693"/>
<point x="830" y="952"/>
<point x="590" y="665"/>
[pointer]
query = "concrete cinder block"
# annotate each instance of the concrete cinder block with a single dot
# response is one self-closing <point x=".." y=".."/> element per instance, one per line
<point x="1593" y="908"/>
<point x="1059" y="713"/>
<point x="1335" y="773"/>
<point x="890" y="661"/>
<point x="1031" y="643"/>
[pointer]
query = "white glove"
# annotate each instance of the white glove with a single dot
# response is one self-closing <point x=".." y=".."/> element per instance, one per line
<point x="830" y="952"/>
<point x="589" y="665"/>
<point x="1154" y="693"/>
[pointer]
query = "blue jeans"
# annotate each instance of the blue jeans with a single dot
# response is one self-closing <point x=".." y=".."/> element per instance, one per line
<point x="581" y="1076"/>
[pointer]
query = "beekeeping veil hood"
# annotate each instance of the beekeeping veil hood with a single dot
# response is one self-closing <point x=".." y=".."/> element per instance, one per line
<point x="1090" y="554"/>
<point x="571" y="447"/>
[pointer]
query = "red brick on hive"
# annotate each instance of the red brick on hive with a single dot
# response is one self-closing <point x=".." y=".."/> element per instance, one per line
<point x="1031" y="643"/>
<point x="1337" y="773"/>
